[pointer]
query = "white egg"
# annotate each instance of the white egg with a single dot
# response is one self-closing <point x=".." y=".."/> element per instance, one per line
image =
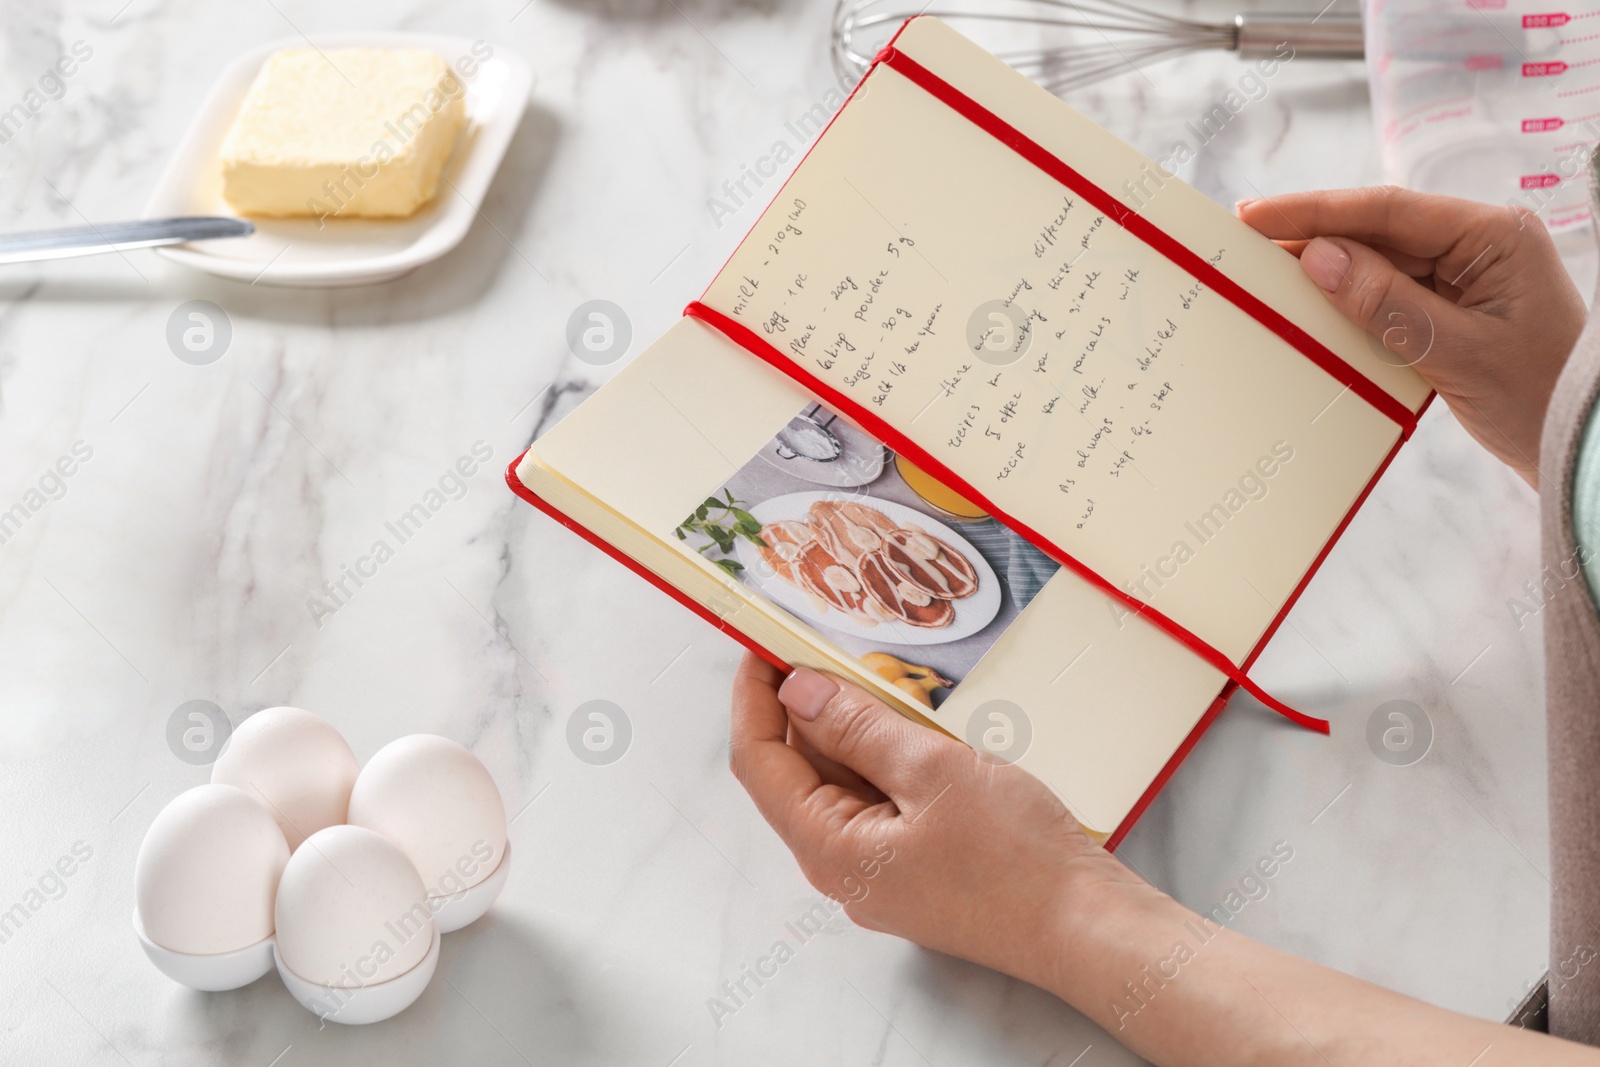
<point x="207" y="872"/>
<point x="351" y="910"/>
<point x="439" y="803"/>
<point x="296" y="764"/>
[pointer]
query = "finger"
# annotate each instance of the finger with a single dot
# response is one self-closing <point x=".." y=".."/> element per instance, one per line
<point x="1414" y="266"/>
<point x="833" y="772"/>
<point x="1377" y="296"/>
<point x="778" y="778"/>
<point x="1417" y="224"/>
<point x="1405" y="262"/>
<point x="807" y="812"/>
<point x="910" y="763"/>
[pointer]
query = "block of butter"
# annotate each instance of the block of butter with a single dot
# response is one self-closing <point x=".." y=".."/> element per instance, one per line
<point x="345" y="132"/>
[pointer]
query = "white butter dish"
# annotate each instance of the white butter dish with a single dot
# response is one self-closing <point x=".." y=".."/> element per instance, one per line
<point x="306" y="252"/>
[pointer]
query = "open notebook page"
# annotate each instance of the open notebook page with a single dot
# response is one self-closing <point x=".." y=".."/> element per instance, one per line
<point x="1106" y="699"/>
<point x="1136" y="429"/>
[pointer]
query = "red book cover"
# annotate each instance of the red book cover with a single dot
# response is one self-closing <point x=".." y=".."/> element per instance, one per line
<point x="862" y="416"/>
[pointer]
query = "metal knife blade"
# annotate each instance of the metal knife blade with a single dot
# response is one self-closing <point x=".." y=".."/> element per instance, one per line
<point x="117" y="236"/>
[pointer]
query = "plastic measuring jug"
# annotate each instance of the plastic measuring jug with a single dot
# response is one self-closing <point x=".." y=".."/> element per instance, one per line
<point x="1493" y="100"/>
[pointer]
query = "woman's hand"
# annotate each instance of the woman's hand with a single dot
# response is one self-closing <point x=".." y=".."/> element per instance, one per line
<point x="917" y="836"/>
<point x="911" y="831"/>
<point x="1473" y="295"/>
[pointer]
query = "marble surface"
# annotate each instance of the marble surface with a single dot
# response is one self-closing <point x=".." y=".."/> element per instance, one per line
<point x="178" y="562"/>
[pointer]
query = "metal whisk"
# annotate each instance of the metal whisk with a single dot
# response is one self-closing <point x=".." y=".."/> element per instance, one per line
<point x="1097" y="38"/>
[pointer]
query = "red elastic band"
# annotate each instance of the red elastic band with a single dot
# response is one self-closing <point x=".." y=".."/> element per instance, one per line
<point x="756" y="345"/>
<point x="1150" y="234"/>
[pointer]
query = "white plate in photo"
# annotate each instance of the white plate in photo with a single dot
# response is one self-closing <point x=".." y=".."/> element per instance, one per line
<point x="972" y="614"/>
<point x="818" y="446"/>
<point x="338" y="252"/>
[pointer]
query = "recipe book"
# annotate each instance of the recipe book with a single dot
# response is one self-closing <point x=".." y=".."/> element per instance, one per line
<point x="993" y="417"/>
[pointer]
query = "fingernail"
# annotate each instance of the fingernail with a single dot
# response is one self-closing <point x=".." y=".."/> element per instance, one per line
<point x="1326" y="263"/>
<point x="1240" y="205"/>
<point x="805" y="692"/>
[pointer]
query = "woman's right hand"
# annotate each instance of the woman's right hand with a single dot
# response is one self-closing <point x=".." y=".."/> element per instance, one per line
<point x="1473" y="295"/>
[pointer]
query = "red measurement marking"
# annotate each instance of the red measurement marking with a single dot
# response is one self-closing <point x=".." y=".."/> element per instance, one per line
<point x="1486" y="5"/>
<point x="1414" y="112"/>
<point x="1445" y="116"/>
<point x="1540" y="181"/>
<point x="1537" y="22"/>
<point x="1486" y="62"/>
<point x="1541" y="125"/>
<point x="1580" y="40"/>
<point x="1540" y="70"/>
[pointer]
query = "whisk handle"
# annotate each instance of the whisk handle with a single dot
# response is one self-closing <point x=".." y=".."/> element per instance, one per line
<point x="1328" y="37"/>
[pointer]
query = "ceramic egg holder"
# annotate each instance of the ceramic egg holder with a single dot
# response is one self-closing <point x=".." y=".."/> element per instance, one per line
<point x="356" y="1002"/>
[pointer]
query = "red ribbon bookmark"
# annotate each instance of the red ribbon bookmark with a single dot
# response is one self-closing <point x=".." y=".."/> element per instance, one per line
<point x="756" y="345"/>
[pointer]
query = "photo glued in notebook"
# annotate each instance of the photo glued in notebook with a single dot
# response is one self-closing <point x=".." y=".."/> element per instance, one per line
<point x="990" y="416"/>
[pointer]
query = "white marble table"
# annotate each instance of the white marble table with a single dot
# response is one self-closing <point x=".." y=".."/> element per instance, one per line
<point x="178" y="562"/>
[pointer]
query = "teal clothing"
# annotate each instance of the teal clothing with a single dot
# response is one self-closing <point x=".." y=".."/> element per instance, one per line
<point x="1586" y="503"/>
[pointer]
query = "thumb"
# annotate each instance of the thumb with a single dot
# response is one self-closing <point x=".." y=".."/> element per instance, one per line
<point x="907" y="761"/>
<point x="1377" y="296"/>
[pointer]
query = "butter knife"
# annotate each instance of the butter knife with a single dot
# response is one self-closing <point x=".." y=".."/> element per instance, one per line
<point x="117" y="236"/>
